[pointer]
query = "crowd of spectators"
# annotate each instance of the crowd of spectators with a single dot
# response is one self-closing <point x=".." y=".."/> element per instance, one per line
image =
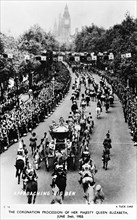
<point x="129" y="104"/>
<point x="25" y="117"/>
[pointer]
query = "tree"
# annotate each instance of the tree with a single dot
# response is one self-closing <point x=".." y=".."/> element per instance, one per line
<point x="1" y="45"/>
<point x="90" y="39"/>
<point x="36" y="40"/>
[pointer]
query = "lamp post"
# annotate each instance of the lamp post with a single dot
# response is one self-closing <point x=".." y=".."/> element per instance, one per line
<point x="53" y="83"/>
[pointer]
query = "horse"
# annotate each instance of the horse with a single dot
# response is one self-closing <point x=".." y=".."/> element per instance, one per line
<point x="57" y="196"/>
<point x="98" y="112"/>
<point x="61" y="183"/>
<point x="31" y="190"/>
<point x="88" y="187"/>
<point x="20" y="163"/>
<point x="105" y="159"/>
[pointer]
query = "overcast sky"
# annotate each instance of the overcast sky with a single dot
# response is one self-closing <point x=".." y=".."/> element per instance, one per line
<point x="18" y="16"/>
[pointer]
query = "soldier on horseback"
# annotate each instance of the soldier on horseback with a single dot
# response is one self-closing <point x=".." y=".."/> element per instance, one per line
<point x="58" y="171"/>
<point x="20" y="153"/>
<point x="85" y="157"/>
<point x="106" y="151"/>
<point x="29" y="174"/>
<point x="99" y="105"/>
<point x="107" y="141"/>
<point x="86" y="174"/>
<point x="88" y="168"/>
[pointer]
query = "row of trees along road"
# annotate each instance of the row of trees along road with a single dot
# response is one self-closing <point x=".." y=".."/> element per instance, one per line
<point x="32" y="42"/>
<point x="119" y="39"/>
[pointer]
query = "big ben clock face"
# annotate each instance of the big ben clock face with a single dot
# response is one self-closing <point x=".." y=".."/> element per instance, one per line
<point x="66" y="22"/>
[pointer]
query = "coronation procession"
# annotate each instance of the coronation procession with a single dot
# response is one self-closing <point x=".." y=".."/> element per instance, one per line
<point x="68" y="124"/>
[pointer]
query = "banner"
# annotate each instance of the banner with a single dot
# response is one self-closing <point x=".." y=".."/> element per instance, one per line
<point x="60" y="58"/>
<point x="77" y="58"/>
<point x="123" y="56"/>
<point x="128" y="55"/>
<point x="43" y="58"/>
<point x="111" y="56"/>
<point x="55" y="58"/>
<point x="94" y="57"/>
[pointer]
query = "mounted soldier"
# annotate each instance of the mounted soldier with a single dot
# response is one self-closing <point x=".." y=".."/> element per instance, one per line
<point x="87" y="173"/>
<point x="107" y="141"/>
<point x="20" y="153"/>
<point x="33" y="143"/>
<point x="58" y="171"/>
<point x="29" y="174"/>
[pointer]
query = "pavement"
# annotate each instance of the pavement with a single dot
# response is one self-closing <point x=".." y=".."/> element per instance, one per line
<point x="118" y="182"/>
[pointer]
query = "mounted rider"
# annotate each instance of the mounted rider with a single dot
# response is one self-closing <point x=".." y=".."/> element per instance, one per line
<point x="25" y="151"/>
<point x="87" y="174"/>
<point x="106" y="152"/>
<point x="29" y="174"/>
<point x="20" y="153"/>
<point x="99" y="105"/>
<point x="58" y="171"/>
<point x="90" y="120"/>
<point x="85" y="157"/>
<point x="107" y="141"/>
<point x="86" y="160"/>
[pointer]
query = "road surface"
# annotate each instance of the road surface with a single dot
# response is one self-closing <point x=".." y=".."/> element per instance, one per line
<point x="118" y="182"/>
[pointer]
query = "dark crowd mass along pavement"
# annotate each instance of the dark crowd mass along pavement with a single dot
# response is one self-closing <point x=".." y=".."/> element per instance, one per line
<point x="118" y="182"/>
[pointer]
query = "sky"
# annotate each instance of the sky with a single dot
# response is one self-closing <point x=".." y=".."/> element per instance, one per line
<point x="18" y="16"/>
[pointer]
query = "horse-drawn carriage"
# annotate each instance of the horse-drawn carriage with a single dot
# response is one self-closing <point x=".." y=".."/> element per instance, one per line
<point x="61" y="149"/>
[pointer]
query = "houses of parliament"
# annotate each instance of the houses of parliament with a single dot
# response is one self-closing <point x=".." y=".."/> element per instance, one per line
<point x="62" y="29"/>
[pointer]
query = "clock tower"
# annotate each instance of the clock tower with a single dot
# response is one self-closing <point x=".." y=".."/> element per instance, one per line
<point x="62" y="31"/>
<point x="66" y="25"/>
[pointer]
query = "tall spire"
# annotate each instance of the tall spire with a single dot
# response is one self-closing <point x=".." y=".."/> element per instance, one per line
<point x="66" y="7"/>
<point x="66" y="11"/>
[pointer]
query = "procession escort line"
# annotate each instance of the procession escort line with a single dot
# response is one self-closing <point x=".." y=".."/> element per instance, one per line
<point x="68" y="148"/>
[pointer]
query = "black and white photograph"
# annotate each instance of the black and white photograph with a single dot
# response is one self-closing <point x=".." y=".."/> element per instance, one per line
<point x="68" y="106"/>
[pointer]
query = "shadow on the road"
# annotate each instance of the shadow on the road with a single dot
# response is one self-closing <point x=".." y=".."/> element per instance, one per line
<point x="101" y="117"/>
